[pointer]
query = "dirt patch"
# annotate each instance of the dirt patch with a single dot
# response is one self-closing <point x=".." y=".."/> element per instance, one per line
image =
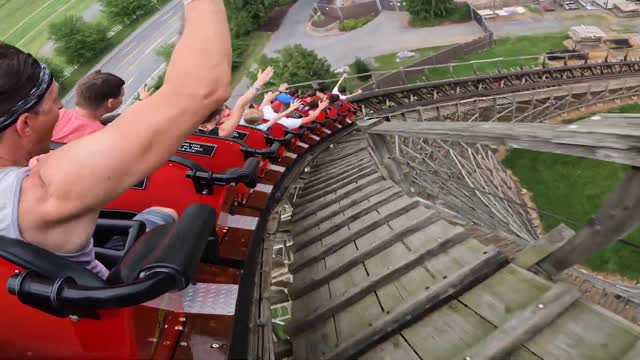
<point x="610" y="277"/>
<point x="273" y="22"/>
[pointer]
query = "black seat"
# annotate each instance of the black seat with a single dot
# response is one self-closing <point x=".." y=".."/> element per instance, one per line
<point x="162" y="260"/>
<point x="31" y="257"/>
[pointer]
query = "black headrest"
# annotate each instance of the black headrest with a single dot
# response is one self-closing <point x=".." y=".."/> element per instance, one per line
<point x="46" y="263"/>
<point x="175" y="247"/>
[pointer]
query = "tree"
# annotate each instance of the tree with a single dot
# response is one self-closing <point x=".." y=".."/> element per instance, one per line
<point x="424" y="10"/>
<point x="361" y="67"/>
<point x="245" y="15"/>
<point x="77" y="40"/>
<point x="122" y="11"/>
<point x="295" y="64"/>
<point x="56" y="69"/>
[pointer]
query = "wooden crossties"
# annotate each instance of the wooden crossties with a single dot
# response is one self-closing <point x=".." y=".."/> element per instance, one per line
<point x="610" y="143"/>
<point x="379" y="275"/>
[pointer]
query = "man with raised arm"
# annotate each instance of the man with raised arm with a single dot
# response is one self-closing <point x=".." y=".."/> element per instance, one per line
<point x="55" y="202"/>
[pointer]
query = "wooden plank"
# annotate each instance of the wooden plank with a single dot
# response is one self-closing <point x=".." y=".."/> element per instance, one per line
<point x="617" y="217"/>
<point x="534" y="253"/>
<point x="300" y="212"/>
<point x="633" y="353"/>
<point x="415" y="308"/>
<point x="362" y="289"/>
<point x="616" y="148"/>
<point x="392" y="349"/>
<point x="524" y="325"/>
<point x="585" y="332"/>
<point x="356" y="229"/>
<point x="333" y="187"/>
<point x="338" y="155"/>
<point x="345" y="218"/>
<point x="316" y="279"/>
<point x="324" y="180"/>
<point x="327" y="172"/>
<point x="340" y="206"/>
<point x="312" y="345"/>
<point x="342" y="163"/>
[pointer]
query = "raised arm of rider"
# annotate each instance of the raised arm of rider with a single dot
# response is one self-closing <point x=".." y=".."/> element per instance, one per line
<point x="314" y="114"/>
<point x="231" y="124"/>
<point x="72" y="184"/>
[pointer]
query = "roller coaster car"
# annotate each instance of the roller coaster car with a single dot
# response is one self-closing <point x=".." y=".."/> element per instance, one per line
<point x="205" y="170"/>
<point x="54" y="308"/>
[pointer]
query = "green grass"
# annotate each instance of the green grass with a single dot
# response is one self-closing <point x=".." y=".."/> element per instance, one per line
<point x="534" y="9"/>
<point x="461" y="13"/>
<point x="14" y="12"/>
<point x="388" y="62"/>
<point x="33" y="34"/>
<point x="257" y="41"/>
<point x="575" y="188"/>
<point x="505" y="47"/>
<point x="352" y="24"/>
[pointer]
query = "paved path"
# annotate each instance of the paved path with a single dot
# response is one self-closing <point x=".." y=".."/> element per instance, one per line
<point x="387" y="33"/>
<point x="135" y="60"/>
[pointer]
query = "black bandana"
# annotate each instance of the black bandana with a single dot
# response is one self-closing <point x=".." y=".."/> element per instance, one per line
<point x="25" y="105"/>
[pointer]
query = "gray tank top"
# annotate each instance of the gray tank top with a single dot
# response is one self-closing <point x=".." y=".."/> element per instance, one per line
<point x="10" y="186"/>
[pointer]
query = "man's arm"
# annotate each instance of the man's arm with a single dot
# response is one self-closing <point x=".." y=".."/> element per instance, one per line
<point x="294" y="105"/>
<point x="227" y="128"/>
<point x="314" y="114"/>
<point x="270" y="96"/>
<point x="352" y="95"/>
<point x="75" y="181"/>
<point x="335" y="89"/>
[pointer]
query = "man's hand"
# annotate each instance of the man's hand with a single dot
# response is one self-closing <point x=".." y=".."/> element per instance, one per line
<point x="295" y="105"/>
<point x="270" y="96"/>
<point x="145" y="92"/>
<point x="264" y="77"/>
<point x="283" y="87"/>
<point x="323" y="105"/>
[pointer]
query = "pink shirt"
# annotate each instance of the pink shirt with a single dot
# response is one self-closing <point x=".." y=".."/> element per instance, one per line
<point x="72" y="126"/>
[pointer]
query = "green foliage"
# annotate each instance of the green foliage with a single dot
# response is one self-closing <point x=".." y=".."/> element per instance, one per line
<point x="352" y="24"/>
<point x="239" y="48"/>
<point x="575" y="188"/>
<point x="56" y="69"/>
<point x="245" y="15"/>
<point x="124" y="10"/>
<point x="361" y="67"/>
<point x="165" y="51"/>
<point x="78" y="41"/>
<point x="295" y="64"/>
<point x="431" y="13"/>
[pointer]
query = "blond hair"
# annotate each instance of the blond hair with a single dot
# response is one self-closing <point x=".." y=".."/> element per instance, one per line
<point x="253" y="116"/>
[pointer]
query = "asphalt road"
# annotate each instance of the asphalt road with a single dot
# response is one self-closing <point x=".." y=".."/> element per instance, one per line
<point x="135" y="60"/>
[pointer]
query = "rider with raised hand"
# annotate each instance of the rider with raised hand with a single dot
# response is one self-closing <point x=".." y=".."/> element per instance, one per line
<point x="55" y="203"/>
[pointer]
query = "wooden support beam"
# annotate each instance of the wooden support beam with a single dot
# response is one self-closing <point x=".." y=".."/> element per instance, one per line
<point x="339" y="206"/>
<point x="309" y="209"/>
<point x="347" y="217"/>
<point x="394" y="210"/>
<point x="525" y="325"/>
<point x="422" y="304"/>
<point x="298" y="290"/>
<point x="537" y="251"/>
<point x="331" y="187"/>
<point x="620" y="144"/>
<point x="619" y="215"/>
<point x="364" y="289"/>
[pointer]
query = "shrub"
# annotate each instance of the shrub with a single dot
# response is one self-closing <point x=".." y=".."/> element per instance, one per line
<point x="352" y="24"/>
<point x="361" y="67"/>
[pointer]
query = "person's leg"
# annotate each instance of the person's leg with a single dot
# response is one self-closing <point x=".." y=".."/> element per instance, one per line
<point x="151" y="217"/>
<point x="156" y="216"/>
